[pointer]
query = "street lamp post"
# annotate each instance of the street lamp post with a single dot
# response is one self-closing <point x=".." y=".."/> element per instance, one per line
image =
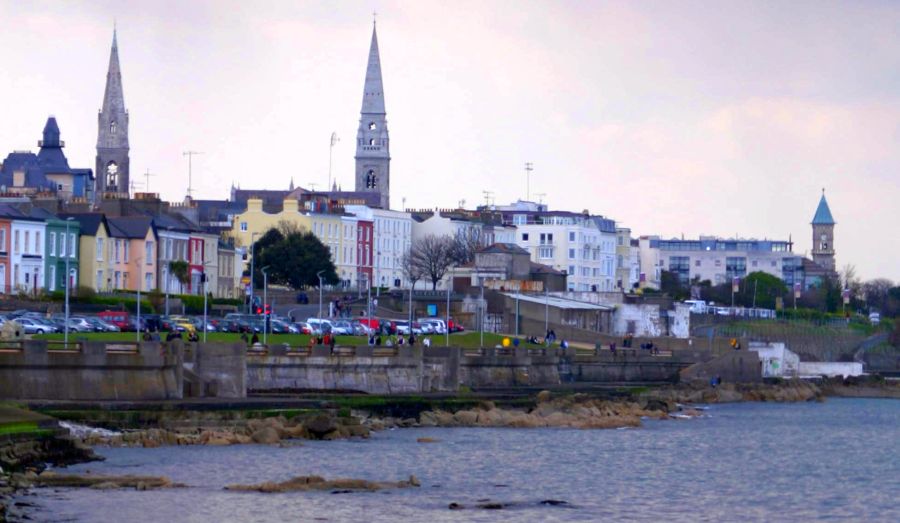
<point x="546" y="310"/>
<point x="319" y="275"/>
<point x="66" y="335"/>
<point x="252" y="258"/>
<point x="137" y="324"/>
<point x="447" y="329"/>
<point x="205" y="297"/>
<point x="265" y="300"/>
<point x="481" y="316"/>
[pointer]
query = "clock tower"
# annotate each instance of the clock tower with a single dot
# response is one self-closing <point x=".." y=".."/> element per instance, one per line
<point x="823" y="236"/>
<point x="373" y="157"/>
<point x="112" y="172"/>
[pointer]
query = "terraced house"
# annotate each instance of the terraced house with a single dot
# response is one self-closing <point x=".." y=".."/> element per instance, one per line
<point x="132" y="253"/>
<point x="60" y="250"/>
<point x="93" y="269"/>
<point x="27" y="257"/>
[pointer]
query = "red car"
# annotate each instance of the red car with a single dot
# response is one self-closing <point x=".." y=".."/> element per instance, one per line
<point x="120" y="319"/>
<point x="371" y="323"/>
<point x="454" y="326"/>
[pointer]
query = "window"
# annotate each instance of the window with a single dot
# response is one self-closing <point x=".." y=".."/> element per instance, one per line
<point x="372" y="126"/>
<point x="2" y="241"/>
<point x="117" y="252"/>
<point x="27" y="241"/>
<point x="148" y="252"/>
<point x="571" y="254"/>
<point x="53" y="244"/>
<point x="99" y="253"/>
<point x="754" y="263"/>
<point x="545" y="252"/>
<point x="524" y="236"/>
<point x="37" y="242"/>
<point x="735" y="267"/>
<point x="99" y="283"/>
<point x="71" y="245"/>
<point x="52" y="278"/>
<point x="148" y="281"/>
<point x="243" y="226"/>
<point x="681" y="266"/>
<point x="16" y="242"/>
<point x="62" y="244"/>
<point x="112" y="127"/>
<point x="696" y="263"/>
<point x="126" y="249"/>
<point x="571" y="236"/>
<point x="571" y="270"/>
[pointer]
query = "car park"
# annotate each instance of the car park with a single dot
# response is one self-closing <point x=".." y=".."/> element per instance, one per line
<point x="437" y="326"/>
<point x="320" y="324"/>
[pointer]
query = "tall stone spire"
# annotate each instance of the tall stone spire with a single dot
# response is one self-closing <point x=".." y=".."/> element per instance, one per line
<point x="373" y="157"/>
<point x="823" y="235"/>
<point x="112" y="172"/>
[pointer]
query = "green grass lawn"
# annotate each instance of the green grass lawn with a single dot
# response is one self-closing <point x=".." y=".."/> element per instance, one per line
<point x="464" y="339"/>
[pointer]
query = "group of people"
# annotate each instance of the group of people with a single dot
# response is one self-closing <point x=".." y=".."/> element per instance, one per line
<point x="375" y="340"/>
<point x="171" y="335"/>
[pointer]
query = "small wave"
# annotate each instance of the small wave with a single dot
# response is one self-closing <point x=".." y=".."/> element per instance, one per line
<point x="83" y="431"/>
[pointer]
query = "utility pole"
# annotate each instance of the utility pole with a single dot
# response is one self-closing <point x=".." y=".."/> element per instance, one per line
<point x="190" y="155"/>
<point x="334" y="141"/>
<point x="528" y="168"/>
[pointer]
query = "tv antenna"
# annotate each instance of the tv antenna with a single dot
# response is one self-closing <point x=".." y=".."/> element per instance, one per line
<point x="147" y="176"/>
<point x="190" y="155"/>
<point x="528" y="168"/>
<point x="488" y="196"/>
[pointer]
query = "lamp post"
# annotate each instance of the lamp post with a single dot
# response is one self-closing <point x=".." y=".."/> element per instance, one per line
<point x="265" y="300"/>
<point x="447" y="329"/>
<point x="252" y="258"/>
<point x="205" y="281"/>
<point x="137" y="323"/>
<point x="546" y="310"/>
<point x="66" y="335"/>
<point x="481" y="316"/>
<point x="319" y="275"/>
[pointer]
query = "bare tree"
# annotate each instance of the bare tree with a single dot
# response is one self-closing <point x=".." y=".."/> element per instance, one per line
<point x="465" y="244"/>
<point x="411" y="268"/>
<point x="876" y="293"/>
<point x="432" y="255"/>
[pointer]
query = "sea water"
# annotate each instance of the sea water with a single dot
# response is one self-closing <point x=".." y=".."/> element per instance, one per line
<point x="838" y="460"/>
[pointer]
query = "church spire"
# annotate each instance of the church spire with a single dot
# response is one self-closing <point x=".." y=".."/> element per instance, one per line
<point x="373" y="94"/>
<point x="112" y="172"/>
<point x="373" y="156"/>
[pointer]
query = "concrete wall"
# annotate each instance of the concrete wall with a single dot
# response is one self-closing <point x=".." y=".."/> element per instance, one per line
<point x="223" y="368"/>
<point x="361" y="370"/>
<point x="777" y="360"/>
<point x="504" y="368"/>
<point x="830" y="369"/>
<point x="90" y="371"/>
<point x="735" y="367"/>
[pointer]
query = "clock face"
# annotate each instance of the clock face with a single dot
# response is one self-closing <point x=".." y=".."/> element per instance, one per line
<point x="372" y="126"/>
<point x="824" y="237"/>
<point x="112" y="169"/>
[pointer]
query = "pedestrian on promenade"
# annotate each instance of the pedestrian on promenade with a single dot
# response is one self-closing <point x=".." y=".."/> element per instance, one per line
<point x="612" y="347"/>
<point x="331" y="343"/>
<point x="255" y="339"/>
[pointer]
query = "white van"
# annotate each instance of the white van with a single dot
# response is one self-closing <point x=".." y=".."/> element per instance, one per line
<point x="697" y="306"/>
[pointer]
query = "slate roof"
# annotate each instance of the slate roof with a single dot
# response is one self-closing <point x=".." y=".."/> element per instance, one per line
<point x="90" y="221"/>
<point x="174" y="222"/>
<point x="540" y="268"/>
<point x="10" y="212"/>
<point x="504" y="248"/>
<point x="129" y="226"/>
<point x="823" y="213"/>
<point x="50" y="159"/>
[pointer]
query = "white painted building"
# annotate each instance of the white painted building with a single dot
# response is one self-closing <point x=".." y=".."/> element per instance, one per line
<point x="27" y="256"/>
<point x="392" y="232"/>
<point x="582" y="245"/>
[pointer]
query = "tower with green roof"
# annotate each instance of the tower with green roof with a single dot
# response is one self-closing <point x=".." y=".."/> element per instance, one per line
<point x="823" y="235"/>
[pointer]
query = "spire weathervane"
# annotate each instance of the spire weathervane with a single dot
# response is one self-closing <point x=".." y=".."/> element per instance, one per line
<point x="374" y="17"/>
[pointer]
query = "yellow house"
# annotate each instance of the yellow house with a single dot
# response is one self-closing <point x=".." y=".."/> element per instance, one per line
<point x="93" y="266"/>
<point x="336" y="231"/>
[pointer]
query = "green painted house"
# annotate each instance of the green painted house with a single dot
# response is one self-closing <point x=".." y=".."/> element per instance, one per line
<point x="62" y="245"/>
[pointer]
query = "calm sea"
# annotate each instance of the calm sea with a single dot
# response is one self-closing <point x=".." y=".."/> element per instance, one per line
<point x="838" y="460"/>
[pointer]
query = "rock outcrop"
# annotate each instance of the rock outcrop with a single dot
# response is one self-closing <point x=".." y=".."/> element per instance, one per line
<point x="306" y="483"/>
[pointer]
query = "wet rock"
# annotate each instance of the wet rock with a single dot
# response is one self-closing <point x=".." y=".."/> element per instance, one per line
<point x="427" y="440"/>
<point x="554" y="502"/>
<point x="455" y="506"/>
<point x="307" y="483"/>
<point x="266" y="436"/>
<point x="544" y="396"/>
<point x="52" y="479"/>
<point x="320" y="425"/>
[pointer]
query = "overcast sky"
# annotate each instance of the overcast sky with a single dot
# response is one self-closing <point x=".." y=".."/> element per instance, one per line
<point x="721" y="118"/>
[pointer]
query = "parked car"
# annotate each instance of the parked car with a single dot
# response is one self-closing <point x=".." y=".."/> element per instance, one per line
<point x="373" y="324"/>
<point x="321" y="325"/>
<point x="342" y="328"/>
<point x="101" y="325"/>
<point x="361" y="330"/>
<point x="455" y="326"/>
<point x="304" y="328"/>
<point x="32" y="326"/>
<point x="403" y="328"/>
<point x="118" y="318"/>
<point x="438" y="326"/>
<point x="79" y="324"/>
<point x="697" y="306"/>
